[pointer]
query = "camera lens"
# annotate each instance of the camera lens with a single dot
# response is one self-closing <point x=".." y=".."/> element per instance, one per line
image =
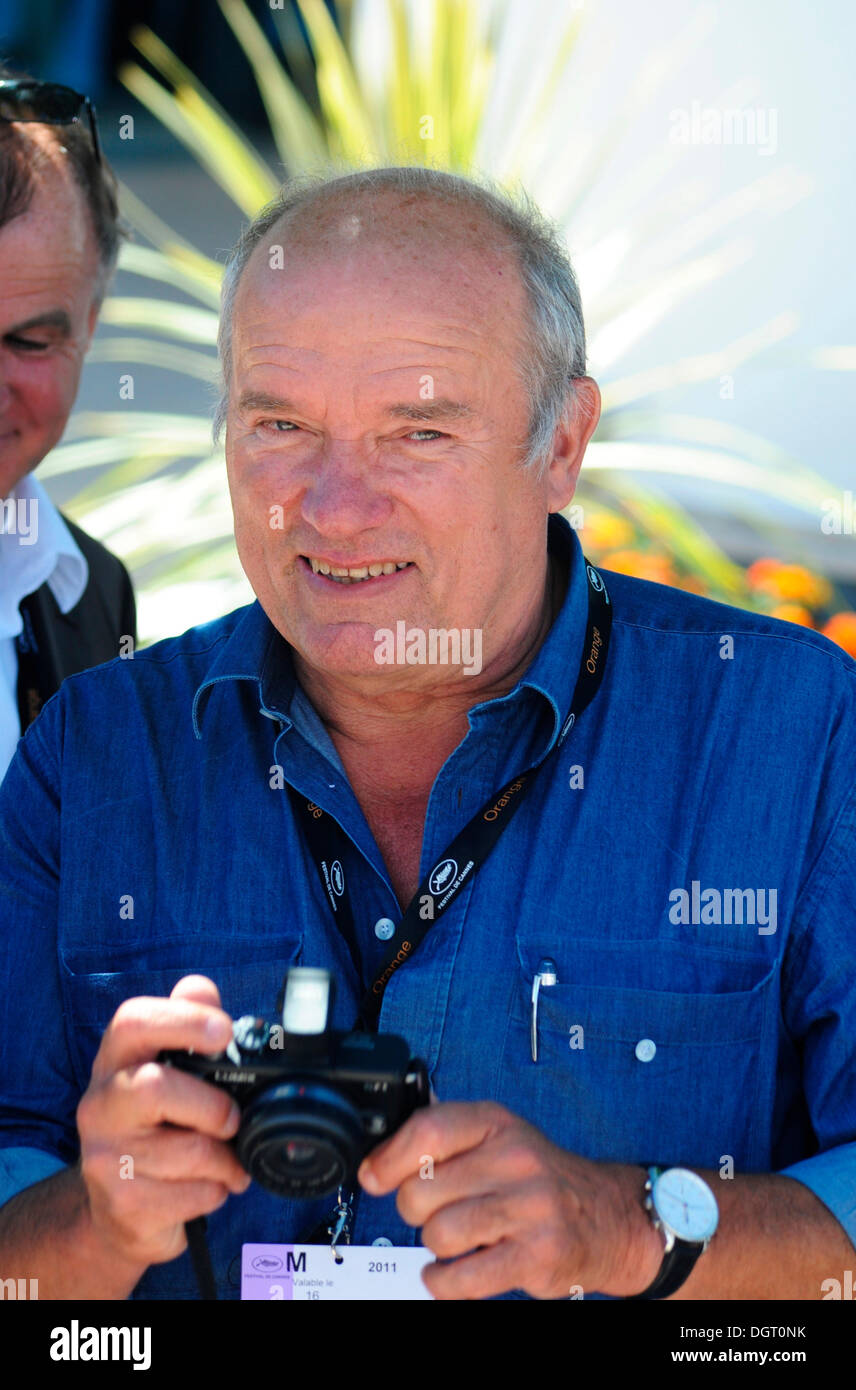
<point x="300" y="1139"/>
<point x="299" y="1153"/>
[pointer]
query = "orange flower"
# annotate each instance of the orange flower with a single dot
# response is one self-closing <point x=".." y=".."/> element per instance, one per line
<point x="792" y="613"/>
<point x="758" y="574"/>
<point x="641" y="565"/>
<point x="603" y="530"/>
<point x="841" y="628"/>
<point x="790" y="583"/>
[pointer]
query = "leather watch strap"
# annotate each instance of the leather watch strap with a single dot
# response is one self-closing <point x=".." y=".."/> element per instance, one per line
<point x="674" y="1271"/>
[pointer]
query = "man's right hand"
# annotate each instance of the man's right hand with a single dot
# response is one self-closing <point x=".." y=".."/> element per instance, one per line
<point x="172" y="1126"/>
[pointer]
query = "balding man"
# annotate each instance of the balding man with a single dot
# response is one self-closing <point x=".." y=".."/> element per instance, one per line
<point x="584" y="841"/>
<point x="65" y="601"/>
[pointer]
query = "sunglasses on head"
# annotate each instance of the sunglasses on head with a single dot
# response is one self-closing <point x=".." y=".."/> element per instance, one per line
<point x="47" y="103"/>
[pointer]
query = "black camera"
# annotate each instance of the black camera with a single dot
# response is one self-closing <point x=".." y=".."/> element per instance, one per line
<point x="314" y="1102"/>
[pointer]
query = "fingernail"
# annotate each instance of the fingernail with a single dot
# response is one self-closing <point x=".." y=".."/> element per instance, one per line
<point x="368" y="1179"/>
<point x="216" y="1029"/>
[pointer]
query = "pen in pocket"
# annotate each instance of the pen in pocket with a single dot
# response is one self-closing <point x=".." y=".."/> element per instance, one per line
<point x="545" y="975"/>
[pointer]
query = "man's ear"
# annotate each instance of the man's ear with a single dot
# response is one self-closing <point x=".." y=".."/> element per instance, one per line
<point x="570" y="440"/>
<point x="91" y="321"/>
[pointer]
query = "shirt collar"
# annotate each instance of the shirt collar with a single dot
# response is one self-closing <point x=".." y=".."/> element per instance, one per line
<point x="36" y="548"/>
<point x="256" y="651"/>
<point x="552" y="674"/>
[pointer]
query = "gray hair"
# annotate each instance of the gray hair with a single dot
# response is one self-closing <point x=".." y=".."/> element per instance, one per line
<point x="554" y="337"/>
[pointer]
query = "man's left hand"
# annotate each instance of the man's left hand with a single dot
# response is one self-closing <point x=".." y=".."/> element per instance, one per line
<point x="513" y="1210"/>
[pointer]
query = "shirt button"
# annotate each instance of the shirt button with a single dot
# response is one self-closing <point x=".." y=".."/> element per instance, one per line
<point x="381" y="1240"/>
<point x="645" y="1049"/>
<point x="384" y="928"/>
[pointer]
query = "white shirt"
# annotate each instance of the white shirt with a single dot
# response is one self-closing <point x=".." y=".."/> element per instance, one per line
<point x="36" y="547"/>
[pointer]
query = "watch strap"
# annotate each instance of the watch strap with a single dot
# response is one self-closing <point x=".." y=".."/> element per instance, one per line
<point x="675" y="1270"/>
<point x="677" y="1263"/>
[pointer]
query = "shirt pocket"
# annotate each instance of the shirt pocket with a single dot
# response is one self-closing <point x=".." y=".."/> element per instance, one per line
<point x="633" y="1070"/>
<point x="248" y="973"/>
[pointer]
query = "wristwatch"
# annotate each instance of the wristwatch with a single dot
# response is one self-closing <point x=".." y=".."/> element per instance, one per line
<point x="684" y="1209"/>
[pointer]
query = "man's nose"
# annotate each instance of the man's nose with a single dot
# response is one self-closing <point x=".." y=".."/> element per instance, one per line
<point x="342" y="497"/>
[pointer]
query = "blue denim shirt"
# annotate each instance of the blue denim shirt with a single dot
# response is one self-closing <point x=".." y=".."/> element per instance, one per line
<point x="141" y="838"/>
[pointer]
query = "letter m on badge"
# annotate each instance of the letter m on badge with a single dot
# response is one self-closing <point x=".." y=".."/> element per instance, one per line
<point x="296" y="1263"/>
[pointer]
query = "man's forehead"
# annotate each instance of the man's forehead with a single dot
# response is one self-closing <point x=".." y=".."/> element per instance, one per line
<point x="48" y="256"/>
<point x="43" y="254"/>
<point x="403" y="284"/>
<point x="373" y="355"/>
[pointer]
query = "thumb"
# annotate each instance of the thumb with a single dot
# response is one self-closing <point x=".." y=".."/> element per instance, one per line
<point x="198" y="988"/>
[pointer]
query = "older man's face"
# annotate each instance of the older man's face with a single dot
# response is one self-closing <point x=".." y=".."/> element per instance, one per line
<point x="375" y="421"/>
<point x="48" y="265"/>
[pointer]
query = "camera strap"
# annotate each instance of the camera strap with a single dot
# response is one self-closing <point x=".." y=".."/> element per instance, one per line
<point x="468" y="851"/>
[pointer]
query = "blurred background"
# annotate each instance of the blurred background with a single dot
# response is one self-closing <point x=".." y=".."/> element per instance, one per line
<point x="696" y="157"/>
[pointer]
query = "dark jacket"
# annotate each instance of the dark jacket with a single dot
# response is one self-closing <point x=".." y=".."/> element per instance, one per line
<point x="54" y="644"/>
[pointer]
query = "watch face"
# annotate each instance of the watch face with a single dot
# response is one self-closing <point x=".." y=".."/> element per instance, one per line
<point x="686" y="1204"/>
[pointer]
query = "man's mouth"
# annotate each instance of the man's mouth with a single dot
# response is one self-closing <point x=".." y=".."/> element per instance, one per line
<point x="357" y="574"/>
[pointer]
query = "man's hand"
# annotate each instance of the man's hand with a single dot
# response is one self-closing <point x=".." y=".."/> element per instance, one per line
<point x="537" y="1217"/>
<point x="172" y="1126"/>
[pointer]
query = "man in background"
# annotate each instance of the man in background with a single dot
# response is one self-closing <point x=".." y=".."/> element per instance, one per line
<point x="65" y="601"/>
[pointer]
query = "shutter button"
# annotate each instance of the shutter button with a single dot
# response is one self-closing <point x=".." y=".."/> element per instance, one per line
<point x="646" y="1050"/>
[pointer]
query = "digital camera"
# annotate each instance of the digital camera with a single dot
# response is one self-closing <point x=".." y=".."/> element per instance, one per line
<point x="313" y="1102"/>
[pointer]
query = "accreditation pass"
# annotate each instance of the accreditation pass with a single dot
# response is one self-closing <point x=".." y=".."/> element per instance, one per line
<point x="368" y="1272"/>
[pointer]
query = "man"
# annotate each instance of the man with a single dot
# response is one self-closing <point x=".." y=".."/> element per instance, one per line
<point x="65" y="601"/>
<point x="407" y="412"/>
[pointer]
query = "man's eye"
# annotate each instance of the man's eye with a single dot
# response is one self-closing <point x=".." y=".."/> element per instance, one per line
<point x="288" y="426"/>
<point x="24" y="344"/>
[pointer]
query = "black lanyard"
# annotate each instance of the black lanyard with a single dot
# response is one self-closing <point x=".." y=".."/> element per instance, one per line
<point x="31" y="676"/>
<point x="469" y="850"/>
